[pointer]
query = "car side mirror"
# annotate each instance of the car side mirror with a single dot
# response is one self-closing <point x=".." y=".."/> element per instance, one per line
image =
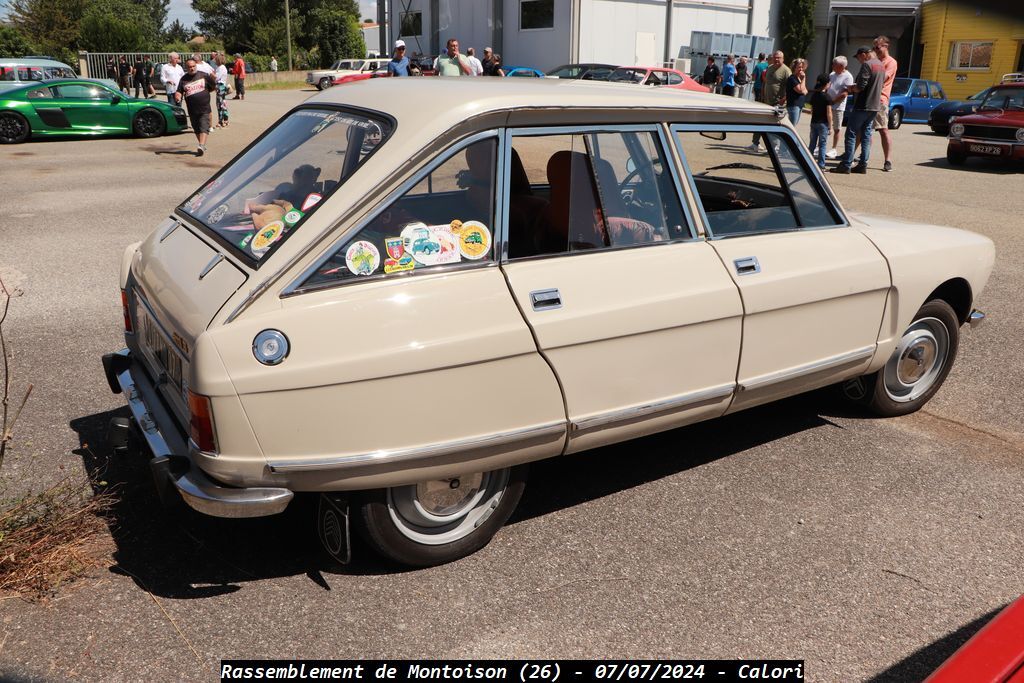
<point x="116" y="99"/>
<point x="713" y="134"/>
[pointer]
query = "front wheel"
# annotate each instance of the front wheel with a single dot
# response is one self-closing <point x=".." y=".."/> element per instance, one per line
<point x="14" y="128"/>
<point x="149" y="123"/>
<point x="895" y="118"/>
<point x="917" y="367"/>
<point x="323" y="84"/>
<point x="955" y="158"/>
<point x="439" y="521"/>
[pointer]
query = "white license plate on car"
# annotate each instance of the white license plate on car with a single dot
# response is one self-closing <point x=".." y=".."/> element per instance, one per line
<point x="986" y="149"/>
<point x="160" y="349"/>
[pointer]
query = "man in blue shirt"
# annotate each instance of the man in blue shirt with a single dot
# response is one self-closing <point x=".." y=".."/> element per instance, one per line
<point x="399" y="64"/>
<point x="729" y="77"/>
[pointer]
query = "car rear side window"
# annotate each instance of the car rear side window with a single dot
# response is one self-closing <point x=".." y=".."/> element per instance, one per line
<point x="40" y="94"/>
<point x="264" y="195"/>
<point x="745" y="190"/>
<point x="445" y="219"/>
<point x="570" y="193"/>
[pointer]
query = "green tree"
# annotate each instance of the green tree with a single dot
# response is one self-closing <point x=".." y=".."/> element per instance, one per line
<point x="238" y="22"/>
<point x="52" y="26"/>
<point x="13" y="43"/>
<point x="157" y="10"/>
<point x="177" y="32"/>
<point x="338" y="35"/>
<point x="797" y="21"/>
<point x="116" y="26"/>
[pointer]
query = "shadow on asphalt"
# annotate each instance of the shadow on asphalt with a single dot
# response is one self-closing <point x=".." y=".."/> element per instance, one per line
<point x="922" y="663"/>
<point x="980" y="165"/>
<point x="178" y="553"/>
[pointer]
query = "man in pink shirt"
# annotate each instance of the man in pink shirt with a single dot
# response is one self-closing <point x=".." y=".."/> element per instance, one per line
<point x="882" y="117"/>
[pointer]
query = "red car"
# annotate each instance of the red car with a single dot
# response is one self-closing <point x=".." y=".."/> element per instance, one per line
<point x="994" y="655"/>
<point x="653" y="75"/>
<point x="361" y="76"/>
<point x="995" y="129"/>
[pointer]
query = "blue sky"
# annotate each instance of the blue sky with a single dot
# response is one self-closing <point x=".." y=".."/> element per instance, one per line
<point x="182" y="11"/>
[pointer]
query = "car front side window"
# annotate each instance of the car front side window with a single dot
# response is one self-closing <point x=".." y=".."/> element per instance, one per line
<point x="445" y="219"/>
<point x="744" y="192"/>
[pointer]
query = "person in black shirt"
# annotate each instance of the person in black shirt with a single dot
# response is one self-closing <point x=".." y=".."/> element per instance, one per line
<point x="821" y="119"/>
<point x="195" y="88"/>
<point x="796" y="90"/>
<point x="124" y="72"/>
<point x="742" y="78"/>
<point x="141" y="73"/>
<point x="712" y="75"/>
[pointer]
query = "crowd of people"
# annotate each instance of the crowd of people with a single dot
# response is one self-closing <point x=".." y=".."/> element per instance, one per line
<point x="451" y="63"/>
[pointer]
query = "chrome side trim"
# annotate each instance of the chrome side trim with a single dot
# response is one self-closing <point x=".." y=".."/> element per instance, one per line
<point x="809" y="369"/>
<point x="550" y="429"/>
<point x="168" y="231"/>
<point x="976" y="319"/>
<point x="195" y="488"/>
<point x="211" y="265"/>
<point x="666" y="405"/>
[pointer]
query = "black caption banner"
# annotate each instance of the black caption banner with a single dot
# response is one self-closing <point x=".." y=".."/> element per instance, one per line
<point x="524" y="671"/>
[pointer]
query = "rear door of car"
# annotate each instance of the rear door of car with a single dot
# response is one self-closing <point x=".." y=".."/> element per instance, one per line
<point x="637" y="317"/>
<point x="813" y="288"/>
<point x="89" y="107"/>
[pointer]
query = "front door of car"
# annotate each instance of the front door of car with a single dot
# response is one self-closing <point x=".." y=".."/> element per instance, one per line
<point x="639" y="320"/>
<point x="91" y="107"/>
<point x="409" y="338"/>
<point x="918" y="104"/>
<point x="813" y="288"/>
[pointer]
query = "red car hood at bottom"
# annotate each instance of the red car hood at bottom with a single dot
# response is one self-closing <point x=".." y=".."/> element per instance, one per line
<point x="1011" y="118"/>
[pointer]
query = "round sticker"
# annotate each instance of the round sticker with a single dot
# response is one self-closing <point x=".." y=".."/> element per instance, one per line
<point x="362" y="258"/>
<point x="456" y="226"/>
<point x="262" y="240"/>
<point x="474" y="240"/>
<point x="293" y="217"/>
<point x="431" y="245"/>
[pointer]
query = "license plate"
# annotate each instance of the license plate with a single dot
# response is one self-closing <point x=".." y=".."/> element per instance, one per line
<point x="986" y="149"/>
<point x="159" y="348"/>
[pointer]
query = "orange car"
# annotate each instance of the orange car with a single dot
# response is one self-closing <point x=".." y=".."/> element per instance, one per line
<point x="649" y="75"/>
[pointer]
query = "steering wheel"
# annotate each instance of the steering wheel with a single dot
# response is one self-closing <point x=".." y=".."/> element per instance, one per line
<point x="635" y="172"/>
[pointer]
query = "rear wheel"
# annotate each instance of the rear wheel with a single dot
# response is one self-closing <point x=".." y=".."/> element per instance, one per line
<point x="917" y="367"/>
<point x="149" y="123"/>
<point x="941" y="130"/>
<point x="324" y="83"/>
<point x="14" y="128"/>
<point x="895" y="118"/>
<point x="439" y="521"/>
<point x="955" y="158"/>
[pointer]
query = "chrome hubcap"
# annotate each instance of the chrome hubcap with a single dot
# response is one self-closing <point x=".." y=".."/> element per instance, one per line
<point x="918" y="360"/>
<point x="446" y="510"/>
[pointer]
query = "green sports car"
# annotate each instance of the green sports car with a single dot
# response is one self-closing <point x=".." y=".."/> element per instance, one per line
<point x="82" y="107"/>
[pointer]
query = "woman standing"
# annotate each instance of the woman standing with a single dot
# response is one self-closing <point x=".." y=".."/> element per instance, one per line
<point x="796" y="90"/>
<point x="221" y="74"/>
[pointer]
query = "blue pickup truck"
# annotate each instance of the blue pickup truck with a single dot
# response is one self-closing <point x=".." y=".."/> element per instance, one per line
<point x="912" y="100"/>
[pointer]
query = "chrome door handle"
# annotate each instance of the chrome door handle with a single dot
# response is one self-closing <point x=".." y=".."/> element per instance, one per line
<point x="747" y="265"/>
<point x="545" y="299"/>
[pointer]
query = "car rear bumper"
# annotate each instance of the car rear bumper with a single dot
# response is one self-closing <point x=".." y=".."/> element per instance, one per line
<point x="173" y="463"/>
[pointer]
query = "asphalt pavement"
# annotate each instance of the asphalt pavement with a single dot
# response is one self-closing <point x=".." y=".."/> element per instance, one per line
<point x="869" y="548"/>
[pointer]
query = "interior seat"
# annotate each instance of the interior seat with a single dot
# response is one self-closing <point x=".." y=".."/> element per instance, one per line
<point x="572" y="221"/>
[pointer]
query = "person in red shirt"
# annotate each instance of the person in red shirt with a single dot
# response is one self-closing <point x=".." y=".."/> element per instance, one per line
<point x="882" y="117"/>
<point x="238" y="70"/>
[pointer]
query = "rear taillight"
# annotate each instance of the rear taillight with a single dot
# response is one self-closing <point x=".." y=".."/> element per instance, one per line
<point x="201" y="422"/>
<point x="127" y="313"/>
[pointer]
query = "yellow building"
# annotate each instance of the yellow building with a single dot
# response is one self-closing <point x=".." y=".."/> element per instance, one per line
<point x="969" y="46"/>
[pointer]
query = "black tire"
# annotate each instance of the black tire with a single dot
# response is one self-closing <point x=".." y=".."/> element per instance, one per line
<point x="895" y="118"/>
<point x="916" y="369"/>
<point x="14" y="128"/>
<point x="382" y="518"/>
<point x="324" y="83"/>
<point x="149" y="123"/>
<point x="941" y="130"/>
<point x="955" y="158"/>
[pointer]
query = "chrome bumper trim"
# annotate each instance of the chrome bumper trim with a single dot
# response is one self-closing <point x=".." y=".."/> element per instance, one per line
<point x="809" y="369"/>
<point x="549" y="430"/>
<point x="199" y="491"/>
<point x="664" y="406"/>
<point x="975" y="319"/>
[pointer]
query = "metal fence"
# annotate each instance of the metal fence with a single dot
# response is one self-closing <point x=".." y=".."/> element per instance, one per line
<point x="94" y="64"/>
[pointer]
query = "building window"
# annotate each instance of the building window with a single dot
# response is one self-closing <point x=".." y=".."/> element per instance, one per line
<point x="535" y="14"/>
<point x="968" y="54"/>
<point x="411" y="24"/>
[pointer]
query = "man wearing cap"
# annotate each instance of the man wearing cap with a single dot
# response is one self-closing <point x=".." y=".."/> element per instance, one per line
<point x="452" y="63"/>
<point x="868" y="89"/>
<point x="399" y="64"/>
<point x="239" y="72"/>
<point x="490" y="67"/>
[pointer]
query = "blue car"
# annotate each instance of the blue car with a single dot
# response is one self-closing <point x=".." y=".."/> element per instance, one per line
<point x="912" y="100"/>
<point x="523" y="71"/>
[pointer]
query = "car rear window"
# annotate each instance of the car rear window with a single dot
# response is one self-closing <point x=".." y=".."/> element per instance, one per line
<point x="263" y="196"/>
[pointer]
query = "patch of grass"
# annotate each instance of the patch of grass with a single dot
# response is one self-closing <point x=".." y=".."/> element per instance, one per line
<point x="278" y="85"/>
<point x="50" y="538"/>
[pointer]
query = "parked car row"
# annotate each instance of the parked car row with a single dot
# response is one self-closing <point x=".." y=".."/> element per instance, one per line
<point x="996" y="127"/>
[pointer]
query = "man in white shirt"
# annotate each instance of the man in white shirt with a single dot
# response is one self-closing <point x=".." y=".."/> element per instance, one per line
<point x="170" y="74"/>
<point x="474" y="64"/>
<point x="838" y="82"/>
<point x="203" y="67"/>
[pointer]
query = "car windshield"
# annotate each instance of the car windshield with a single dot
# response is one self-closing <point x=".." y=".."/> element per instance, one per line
<point x="262" y="197"/>
<point x="1004" y="98"/>
<point x="900" y="86"/>
<point x="628" y="75"/>
<point x="568" y="71"/>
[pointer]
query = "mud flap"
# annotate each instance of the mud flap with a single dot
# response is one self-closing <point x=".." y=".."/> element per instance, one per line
<point x="332" y="526"/>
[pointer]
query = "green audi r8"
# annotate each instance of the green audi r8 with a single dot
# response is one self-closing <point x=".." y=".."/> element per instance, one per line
<point x="82" y="106"/>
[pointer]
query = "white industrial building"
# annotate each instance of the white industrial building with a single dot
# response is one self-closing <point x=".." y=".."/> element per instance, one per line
<point x="547" y="33"/>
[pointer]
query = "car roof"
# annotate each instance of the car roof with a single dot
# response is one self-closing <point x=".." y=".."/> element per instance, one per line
<point x="31" y="61"/>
